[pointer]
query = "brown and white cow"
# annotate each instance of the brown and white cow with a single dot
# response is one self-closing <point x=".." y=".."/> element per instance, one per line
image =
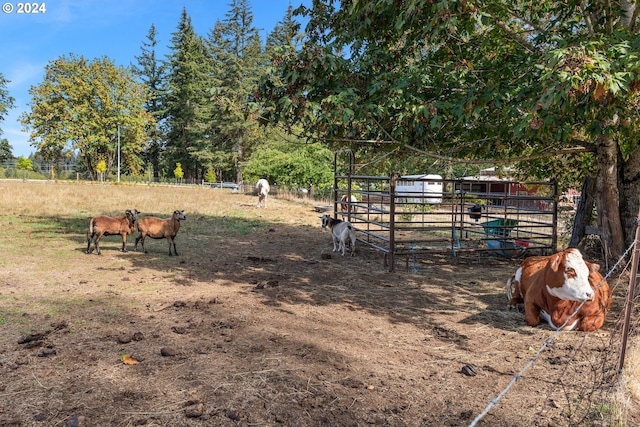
<point x="553" y="287"/>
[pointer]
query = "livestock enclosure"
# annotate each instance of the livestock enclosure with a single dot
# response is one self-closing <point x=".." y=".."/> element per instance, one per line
<point x="258" y="323"/>
<point x="509" y="218"/>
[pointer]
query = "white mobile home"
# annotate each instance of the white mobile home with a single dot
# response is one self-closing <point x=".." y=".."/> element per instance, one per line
<point x="420" y="188"/>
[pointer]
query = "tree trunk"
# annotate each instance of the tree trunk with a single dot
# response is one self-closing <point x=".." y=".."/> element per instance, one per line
<point x="607" y="198"/>
<point x="239" y="161"/>
<point x="87" y="163"/>
<point x="628" y="8"/>
<point x="584" y="212"/>
<point x="630" y="195"/>
<point x="155" y="161"/>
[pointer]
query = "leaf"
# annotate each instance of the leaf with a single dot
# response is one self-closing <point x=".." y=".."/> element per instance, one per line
<point x="599" y="91"/>
<point x="128" y="360"/>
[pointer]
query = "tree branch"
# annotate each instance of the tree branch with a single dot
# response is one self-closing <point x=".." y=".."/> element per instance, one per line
<point x="522" y="42"/>
<point x="587" y="18"/>
<point x="561" y="152"/>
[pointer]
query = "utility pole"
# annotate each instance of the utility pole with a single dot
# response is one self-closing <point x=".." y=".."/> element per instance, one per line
<point x="118" y="152"/>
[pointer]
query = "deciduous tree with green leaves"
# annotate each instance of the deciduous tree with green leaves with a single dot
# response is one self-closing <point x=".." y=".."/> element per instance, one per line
<point x="6" y="101"/>
<point x="291" y="163"/>
<point x="80" y="104"/>
<point x="178" y="172"/>
<point x="550" y="86"/>
<point x="24" y="164"/>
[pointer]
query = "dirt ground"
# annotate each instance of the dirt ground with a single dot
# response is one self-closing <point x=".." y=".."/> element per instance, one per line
<point x="273" y="329"/>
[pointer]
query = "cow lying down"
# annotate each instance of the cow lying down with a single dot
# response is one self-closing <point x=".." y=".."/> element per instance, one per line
<point x="553" y="287"/>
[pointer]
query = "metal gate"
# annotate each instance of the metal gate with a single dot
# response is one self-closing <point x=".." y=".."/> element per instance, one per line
<point x="506" y="218"/>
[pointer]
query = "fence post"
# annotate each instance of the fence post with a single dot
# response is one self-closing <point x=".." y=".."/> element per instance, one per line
<point x="556" y="200"/>
<point x="335" y="192"/>
<point x="630" y="293"/>
<point x="392" y="220"/>
<point x="349" y="196"/>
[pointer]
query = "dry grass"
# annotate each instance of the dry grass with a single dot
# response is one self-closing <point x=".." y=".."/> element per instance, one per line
<point x="44" y="217"/>
<point x="86" y="199"/>
<point x="268" y="330"/>
<point x="627" y="395"/>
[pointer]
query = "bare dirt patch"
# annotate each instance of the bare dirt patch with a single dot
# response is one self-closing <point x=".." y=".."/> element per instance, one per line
<point x="267" y="327"/>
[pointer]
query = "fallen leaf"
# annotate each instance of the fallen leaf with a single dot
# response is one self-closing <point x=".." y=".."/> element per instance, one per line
<point x="128" y="360"/>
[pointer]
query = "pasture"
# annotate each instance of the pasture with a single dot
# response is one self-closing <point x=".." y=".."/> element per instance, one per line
<point x="257" y="323"/>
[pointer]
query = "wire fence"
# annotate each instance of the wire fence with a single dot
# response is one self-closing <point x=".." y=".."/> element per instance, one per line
<point x="588" y="401"/>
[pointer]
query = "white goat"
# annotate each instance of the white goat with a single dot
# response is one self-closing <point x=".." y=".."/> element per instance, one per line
<point x="342" y="232"/>
<point x="262" y="188"/>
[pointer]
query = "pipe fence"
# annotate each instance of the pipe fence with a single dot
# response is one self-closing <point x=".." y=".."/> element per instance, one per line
<point x="404" y="217"/>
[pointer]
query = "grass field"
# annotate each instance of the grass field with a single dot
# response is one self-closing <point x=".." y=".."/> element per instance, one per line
<point x="258" y="323"/>
<point x="45" y="220"/>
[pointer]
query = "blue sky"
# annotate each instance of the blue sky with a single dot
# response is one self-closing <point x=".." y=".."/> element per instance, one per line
<point x="96" y="28"/>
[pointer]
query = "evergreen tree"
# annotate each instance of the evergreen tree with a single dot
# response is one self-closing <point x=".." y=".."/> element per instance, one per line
<point x="285" y="33"/>
<point x="152" y="72"/>
<point x="238" y="58"/>
<point x="5" y="150"/>
<point x="188" y="82"/>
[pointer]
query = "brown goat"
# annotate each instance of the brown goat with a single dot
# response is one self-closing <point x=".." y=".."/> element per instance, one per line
<point x="107" y="225"/>
<point x="157" y="228"/>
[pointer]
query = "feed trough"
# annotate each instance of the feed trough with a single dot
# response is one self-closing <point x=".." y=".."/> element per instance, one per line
<point x="505" y="247"/>
<point x="499" y="227"/>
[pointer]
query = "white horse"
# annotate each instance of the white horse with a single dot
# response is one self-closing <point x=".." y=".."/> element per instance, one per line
<point x="348" y="205"/>
<point x="262" y="188"/>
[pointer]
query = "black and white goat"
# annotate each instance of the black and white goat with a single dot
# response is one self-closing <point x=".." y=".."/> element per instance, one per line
<point x="342" y="233"/>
